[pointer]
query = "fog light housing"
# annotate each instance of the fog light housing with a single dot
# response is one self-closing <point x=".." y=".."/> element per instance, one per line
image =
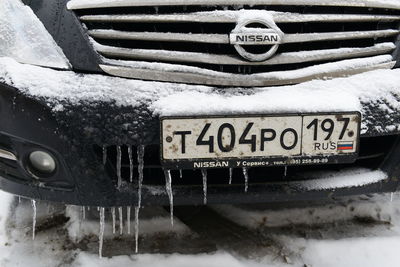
<point x="42" y="163"/>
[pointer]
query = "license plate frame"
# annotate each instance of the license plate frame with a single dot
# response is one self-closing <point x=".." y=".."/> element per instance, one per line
<point x="259" y="161"/>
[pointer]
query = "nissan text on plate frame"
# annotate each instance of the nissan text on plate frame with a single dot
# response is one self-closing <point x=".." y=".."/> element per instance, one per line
<point x="210" y="142"/>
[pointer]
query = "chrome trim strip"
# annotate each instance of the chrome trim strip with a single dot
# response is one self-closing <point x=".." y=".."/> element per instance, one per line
<point x="284" y="58"/>
<point x="224" y="38"/>
<point x="79" y="4"/>
<point x="161" y="36"/>
<point x="331" y="36"/>
<point x="231" y="17"/>
<point x="176" y="73"/>
<point x="4" y="154"/>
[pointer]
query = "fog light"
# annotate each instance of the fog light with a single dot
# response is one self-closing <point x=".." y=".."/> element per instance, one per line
<point x="42" y="162"/>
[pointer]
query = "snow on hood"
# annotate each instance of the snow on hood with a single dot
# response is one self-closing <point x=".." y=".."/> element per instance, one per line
<point x="381" y="87"/>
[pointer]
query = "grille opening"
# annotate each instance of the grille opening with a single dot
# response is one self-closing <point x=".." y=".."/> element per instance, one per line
<point x="373" y="151"/>
<point x="366" y="34"/>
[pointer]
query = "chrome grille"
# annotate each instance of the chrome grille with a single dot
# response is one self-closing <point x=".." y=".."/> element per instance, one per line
<point x="172" y="41"/>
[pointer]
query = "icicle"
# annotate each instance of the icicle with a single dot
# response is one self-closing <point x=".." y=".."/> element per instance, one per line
<point x="140" y="155"/>
<point x="140" y="159"/>
<point x="19" y="200"/>
<point x="121" y="221"/>
<point x="130" y="164"/>
<point x="104" y="155"/>
<point x="128" y="219"/>
<point x="33" y="218"/>
<point x="204" y="174"/>
<point x="119" y="157"/>
<point x="113" y="219"/>
<point x="83" y="212"/>
<point x="230" y="175"/>
<point x="180" y="173"/>
<point x="136" y="229"/>
<point x="101" y="234"/>
<point x="391" y="197"/>
<point x="285" y="173"/>
<point x="168" y="187"/>
<point x="246" y="179"/>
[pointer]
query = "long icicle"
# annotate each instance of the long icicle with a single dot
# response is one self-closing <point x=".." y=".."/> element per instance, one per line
<point x="113" y="219"/>
<point x="128" y="219"/>
<point x="121" y="221"/>
<point x="136" y="229"/>
<point x="246" y="179"/>
<point x="168" y="187"/>
<point x="140" y="159"/>
<point x="204" y="174"/>
<point x="230" y="175"/>
<point x="119" y="158"/>
<point x="33" y="202"/>
<point x="140" y="155"/>
<point x="101" y="234"/>
<point x="130" y="163"/>
<point x="180" y="173"/>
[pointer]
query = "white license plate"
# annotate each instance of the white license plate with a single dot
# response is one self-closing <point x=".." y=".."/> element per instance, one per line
<point x="229" y="141"/>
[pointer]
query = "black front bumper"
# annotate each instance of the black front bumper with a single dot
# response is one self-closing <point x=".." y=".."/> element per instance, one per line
<point x="71" y="134"/>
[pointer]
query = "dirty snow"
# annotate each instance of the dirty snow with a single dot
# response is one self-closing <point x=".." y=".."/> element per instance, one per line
<point x="24" y="38"/>
<point x="355" y="232"/>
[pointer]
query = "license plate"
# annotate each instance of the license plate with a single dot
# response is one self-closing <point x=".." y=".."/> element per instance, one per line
<point x="258" y="141"/>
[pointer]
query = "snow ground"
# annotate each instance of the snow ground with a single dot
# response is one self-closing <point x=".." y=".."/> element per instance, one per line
<point x="363" y="231"/>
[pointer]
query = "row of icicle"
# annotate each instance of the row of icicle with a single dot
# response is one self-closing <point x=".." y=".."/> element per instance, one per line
<point x="168" y="186"/>
<point x="120" y="209"/>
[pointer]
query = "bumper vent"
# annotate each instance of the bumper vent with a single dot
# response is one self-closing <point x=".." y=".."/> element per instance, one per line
<point x="191" y="43"/>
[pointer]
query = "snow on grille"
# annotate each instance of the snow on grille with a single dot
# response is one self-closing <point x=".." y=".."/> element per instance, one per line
<point x="131" y="35"/>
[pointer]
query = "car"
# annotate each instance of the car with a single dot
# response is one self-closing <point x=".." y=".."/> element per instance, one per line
<point x="125" y="103"/>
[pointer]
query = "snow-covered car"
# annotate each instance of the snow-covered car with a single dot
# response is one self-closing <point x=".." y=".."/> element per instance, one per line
<point x="137" y="102"/>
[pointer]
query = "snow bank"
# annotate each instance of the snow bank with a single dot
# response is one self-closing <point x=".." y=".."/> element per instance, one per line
<point x="24" y="38"/>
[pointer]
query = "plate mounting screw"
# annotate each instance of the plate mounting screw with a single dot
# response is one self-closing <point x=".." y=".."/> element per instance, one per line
<point x="168" y="139"/>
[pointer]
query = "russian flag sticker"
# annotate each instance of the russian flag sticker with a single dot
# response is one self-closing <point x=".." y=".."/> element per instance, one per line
<point x="345" y="146"/>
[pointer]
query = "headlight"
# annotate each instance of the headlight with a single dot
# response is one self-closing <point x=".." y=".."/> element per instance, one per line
<point x="24" y="37"/>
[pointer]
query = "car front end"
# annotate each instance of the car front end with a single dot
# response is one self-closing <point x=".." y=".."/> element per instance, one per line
<point x="125" y="103"/>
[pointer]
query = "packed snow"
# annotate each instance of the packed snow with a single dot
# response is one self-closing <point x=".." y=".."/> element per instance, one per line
<point x="24" y="38"/>
<point x="341" y="179"/>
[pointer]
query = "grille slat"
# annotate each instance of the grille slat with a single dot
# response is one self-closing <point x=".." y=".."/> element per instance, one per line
<point x="78" y="4"/>
<point x="231" y="17"/>
<point x="224" y="38"/>
<point x="283" y="58"/>
<point x="165" y="72"/>
<point x="143" y="36"/>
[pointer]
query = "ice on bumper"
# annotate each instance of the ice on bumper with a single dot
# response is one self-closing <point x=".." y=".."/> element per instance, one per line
<point x="24" y="38"/>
